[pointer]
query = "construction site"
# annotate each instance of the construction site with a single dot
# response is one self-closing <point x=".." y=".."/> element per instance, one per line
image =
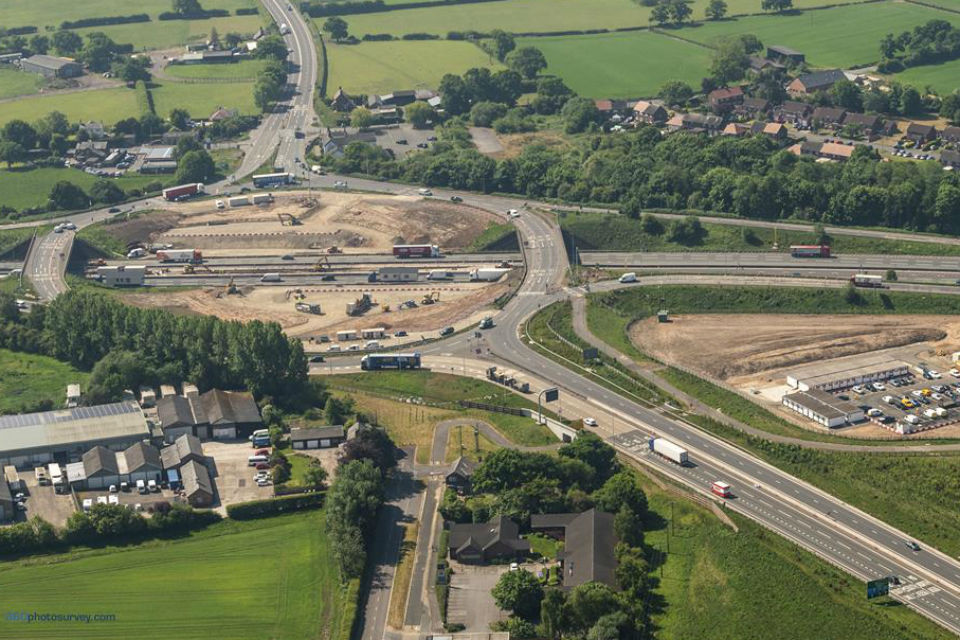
<point x="318" y="264"/>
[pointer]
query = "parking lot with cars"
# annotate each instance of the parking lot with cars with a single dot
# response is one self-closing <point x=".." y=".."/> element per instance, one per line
<point x="233" y="475"/>
<point x="43" y="501"/>
<point x="915" y="401"/>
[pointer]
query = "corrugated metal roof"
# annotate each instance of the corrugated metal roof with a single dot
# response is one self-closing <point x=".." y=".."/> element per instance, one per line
<point x="61" y="427"/>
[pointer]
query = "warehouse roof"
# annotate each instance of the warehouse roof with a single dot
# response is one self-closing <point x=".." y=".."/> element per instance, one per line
<point x="823" y="403"/>
<point x="142" y="456"/>
<point x="49" y="62"/>
<point x="842" y="368"/>
<point x="231" y="407"/>
<point x="196" y="478"/>
<point x="100" y="460"/>
<point x="316" y="433"/>
<point x="175" y="411"/>
<point x="64" y="427"/>
<point x="184" y="448"/>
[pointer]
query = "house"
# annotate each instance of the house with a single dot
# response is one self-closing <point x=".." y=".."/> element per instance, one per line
<point x="8" y="510"/>
<point x="51" y="66"/>
<point x="605" y="107"/>
<point x="695" y="122"/>
<point x="142" y="463"/>
<point x="460" y="475"/>
<point x="336" y="140"/>
<point x="794" y="112"/>
<point x="950" y="134"/>
<point x="230" y="414"/>
<point x="758" y="64"/>
<point x="187" y="448"/>
<point x="649" y="112"/>
<point x="317" y="437"/>
<point x="101" y="468"/>
<point x="868" y="123"/>
<point x="753" y="108"/>
<point x="89" y="152"/>
<point x="950" y="158"/>
<point x="342" y="102"/>
<point x="725" y="99"/>
<point x="197" y="485"/>
<point x="785" y="55"/>
<point x="222" y="113"/>
<point x="486" y="541"/>
<point x="736" y="129"/>
<point x="775" y="130"/>
<point x="921" y="133"/>
<point x="823" y="150"/>
<point x="810" y="83"/>
<point x="588" y="550"/>
<point x="827" y="117"/>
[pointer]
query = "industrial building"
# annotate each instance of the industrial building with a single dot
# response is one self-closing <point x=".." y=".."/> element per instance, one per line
<point x="823" y="408"/>
<point x="122" y="275"/>
<point x="51" y="66"/>
<point x="221" y="415"/>
<point x="843" y="373"/>
<point x="317" y="437"/>
<point x="38" y="438"/>
<point x="197" y="486"/>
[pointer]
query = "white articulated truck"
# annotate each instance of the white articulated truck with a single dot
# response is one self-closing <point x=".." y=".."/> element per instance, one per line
<point x="668" y="450"/>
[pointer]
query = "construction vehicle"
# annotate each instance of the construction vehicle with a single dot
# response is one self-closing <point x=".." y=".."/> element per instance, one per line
<point x="231" y="289"/>
<point x="360" y="306"/>
<point x="334" y="249"/>
<point x="307" y="307"/>
<point x="297" y="294"/>
<point x="288" y="220"/>
<point x="430" y="298"/>
<point x="322" y="264"/>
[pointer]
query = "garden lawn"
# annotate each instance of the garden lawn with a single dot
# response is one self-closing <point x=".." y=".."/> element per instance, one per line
<point x="18" y="13"/>
<point x="160" y="34"/>
<point x="243" y="70"/>
<point x="32" y="383"/>
<point x="16" y="83"/>
<point x="840" y="37"/>
<point x="944" y="78"/>
<point x="200" y="100"/>
<point x="382" y="67"/>
<point x="105" y="105"/>
<point x="593" y="65"/>
<point x="29" y="188"/>
<point x="271" y="578"/>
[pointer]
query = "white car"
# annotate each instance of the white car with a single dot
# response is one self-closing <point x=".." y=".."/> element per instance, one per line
<point x="87" y="504"/>
<point x="101" y="499"/>
<point x="220" y="204"/>
<point x="590" y="422"/>
<point x="514" y="566"/>
<point x="114" y="500"/>
<point x="955" y="373"/>
<point x="113" y="488"/>
<point x="859" y="389"/>
<point x="879" y="386"/>
<point x="513" y="213"/>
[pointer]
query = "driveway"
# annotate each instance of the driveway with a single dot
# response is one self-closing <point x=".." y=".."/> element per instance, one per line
<point x="44" y="502"/>
<point x="485" y="139"/>
<point x="231" y="474"/>
<point x="470" y="602"/>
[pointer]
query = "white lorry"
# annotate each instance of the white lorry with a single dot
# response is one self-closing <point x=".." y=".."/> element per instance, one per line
<point x="668" y="450"/>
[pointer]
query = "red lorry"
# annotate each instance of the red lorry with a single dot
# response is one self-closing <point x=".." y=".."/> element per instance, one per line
<point x="416" y="251"/>
<point x="182" y="191"/>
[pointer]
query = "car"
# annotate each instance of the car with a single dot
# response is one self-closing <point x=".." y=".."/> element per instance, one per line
<point x="894" y="580"/>
<point x="334" y="348"/>
<point x="113" y="488"/>
<point x="400" y="334"/>
<point x="286" y="256"/>
<point x="843" y="396"/>
<point x="514" y="566"/>
<point x="917" y="392"/>
<point x="874" y="413"/>
<point x="446" y="331"/>
<point x="913" y="546"/>
<point x="114" y="500"/>
<point x="261" y="466"/>
<point x="124" y="486"/>
<point x="432" y="138"/>
<point x="316" y="358"/>
<point x="21" y="506"/>
<point x="328" y="277"/>
<point x="20" y="497"/>
<point x="263" y="482"/>
<point x="113" y="210"/>
<point x="860" y="389"/>
<point x="590" y="422"/>
<point x="354" y="347"/>
<point x="456" y="199"/>
<point x="401" y="141"/>
<point x="422" y="145"/>
<point x="152" y="486"/>
<point x="879" y="386"/>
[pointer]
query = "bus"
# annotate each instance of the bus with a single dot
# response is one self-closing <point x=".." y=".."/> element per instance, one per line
<point x="810" y="251"/>
<point x="375" y="361"/>
<point x="721" y="489"/>
<point x="272" y="179"/>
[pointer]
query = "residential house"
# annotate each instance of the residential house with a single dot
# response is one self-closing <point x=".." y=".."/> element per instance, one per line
<point x="725" y="99"/>
<point x="775" y="130"/>
<point x="317" y="437"/>
<point x="486" y="541"/>
<point x="336" y="140"/>
<point x="51" y="66"/>
<point x="342" y="102"/>
<point x="142" y="463"/>
<point x="827" y="117"/>
<point x="758" y="64"/>
<point x="950" y="134"/>
<point x="950" y="158"/>
<point x="89" y="152"/>
<point x="197" y="485"/>
<point x="460" y="475"/>
<point x="823" y="150"/>
<point x="650" y="113"/>
<point x="101" y="468"/>
<point x="810" y="83"/>
<point x="921" y="133"/>
<point x="695" y="122"/>
<point x="588" y="550"/>
<point x="222" y="113"/>
<point x="793" y="112"/>
<point x="736" y="129"/>
<point x="753" y="108"/>
<point x="785" y="55"/>
<point x="868" y="123"/>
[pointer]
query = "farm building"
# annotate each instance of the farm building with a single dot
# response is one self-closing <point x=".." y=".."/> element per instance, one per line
<point x="758" y="64"/>
<point x="186" y="449"/>
<point x="823" y="408"/>
<point x="100" y="468"/>
<point x="485" y="541"/>
<point x="398" y="274"/>
<point x="317" y="437"/>
<point x="197" y="484"/>
<point x="810" y="83"/>
<point x="460" y="475"/>
<point x="52" y="66"/>
<point x="38" y="438"/>
<point x="843" y="373"/>
<point x="221" y="415"/>
<point x="588" y="548"/>
<point x="122" y="275"/>
<point x="785" y="55"/>
<point x="7" y="508"/>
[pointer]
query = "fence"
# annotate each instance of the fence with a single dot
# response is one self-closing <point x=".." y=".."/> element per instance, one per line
<point x="496" y="408"/>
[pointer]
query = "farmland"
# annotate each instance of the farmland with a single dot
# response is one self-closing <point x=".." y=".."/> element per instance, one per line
<point x="105" y="105"/>
<point x="943" y="78"/>
<point x="23" y="189"/>
<point x="380" y="67"/>
<point x="593" y="65"/>
<point x="220" y="582"/>
<point x="202" y="100"/>
<point x="839" y="37"/>
<point x="168" y="33"/>
<point x="15" y="83"/>
<point x="244" y="70"/>
<point x="32" y="383"/>
<point x="53" y="12"/>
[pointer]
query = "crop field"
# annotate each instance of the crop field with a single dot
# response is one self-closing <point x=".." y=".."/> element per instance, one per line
<point x="105" y="105"/>
<point x="21" y="189"/>
<point x="33" y="383"/>
<point x="16" y="83"/>
<point x="53" y="12"/>
<point x="232" y="580"/>
<point x="594" y="66"/>
<point x="839" y="37"/>
<point x="243" y="70"/>
<point x="146" y="36"/>
<point x="532" y="16"/>
<point x="943" y="78"/>
<point x="200" y="100"/>
<point x="381" y="67"/>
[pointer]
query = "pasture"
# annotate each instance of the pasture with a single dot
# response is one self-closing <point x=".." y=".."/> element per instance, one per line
<point x="244" y="70"/>
<point x="200" y="100"/>
<point x="381" y="67"/>
<point x="943" y="78"/>
<point x="147" y="36"/>
<point x="53" y="12"/>
<point x="593" y="65"/>
<point x="34" y="383"/>
<point x="839" y="37"/>
<point x="16" y="83"/>
<point x="29" y="188"/>
<point x="106" y="105"/>
<point x="532" y="16"/>
<point x="272" y="578"/>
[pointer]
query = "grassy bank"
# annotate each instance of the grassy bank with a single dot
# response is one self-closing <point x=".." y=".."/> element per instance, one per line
<point x="496" y="237"/>
<point x="34" y="383"/>
<point x="614" y="232"/>
<point x="232" y="580"/>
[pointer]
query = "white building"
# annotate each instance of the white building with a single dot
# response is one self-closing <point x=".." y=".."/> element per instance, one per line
<point x="122" y="275"/>
<point x="843" y="373"/>
<point x="398" y="274"/>
<point x="823" y="408"/>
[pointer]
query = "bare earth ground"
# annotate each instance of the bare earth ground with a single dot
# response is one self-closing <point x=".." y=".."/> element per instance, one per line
<point x="755" y="351"/>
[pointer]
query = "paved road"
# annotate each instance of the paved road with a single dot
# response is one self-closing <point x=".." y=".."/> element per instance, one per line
<point x="300" y="260"/>
<point x="850" y="262"/>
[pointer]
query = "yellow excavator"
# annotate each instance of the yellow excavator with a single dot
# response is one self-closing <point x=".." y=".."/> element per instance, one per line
<point x="430" y="298"/>
<point x="323" y="264"/>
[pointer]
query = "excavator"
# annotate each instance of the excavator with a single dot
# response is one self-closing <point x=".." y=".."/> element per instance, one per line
<point x="232" y="289"/>
<point x="430" y="298"/>
<point x="288" y="220"/>
<point x="323" y="264"/>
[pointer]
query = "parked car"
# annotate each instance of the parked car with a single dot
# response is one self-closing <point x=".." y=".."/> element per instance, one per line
<point x="590" y="422"/>
<point x="400" y="334"/>
<point x="456" y="199"/>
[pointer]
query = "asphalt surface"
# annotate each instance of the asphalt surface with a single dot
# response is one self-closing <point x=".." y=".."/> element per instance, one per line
<point x="851" y="263"/>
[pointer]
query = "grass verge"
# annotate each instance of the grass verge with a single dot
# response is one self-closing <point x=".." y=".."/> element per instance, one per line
<point x="403" y="576"/>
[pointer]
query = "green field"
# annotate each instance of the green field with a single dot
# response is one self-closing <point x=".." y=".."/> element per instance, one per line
<point x="53" y="12"/>
<point x="33" y="383"/>
<point x="840" y="37"/>
<point x="105" y="105"/>
<point x="381" y="67"/>
<point x="594" y="66"/>
<point x="21" y="189"/>
<point x="533" y="16"/>
<point x="273" y="578"/>
<point x="243" y="70"/>
<point x="200" y="100"/>
<point x="943" y="78"/>
<point x="169" y="33"/>
<point x="16" y="83"/>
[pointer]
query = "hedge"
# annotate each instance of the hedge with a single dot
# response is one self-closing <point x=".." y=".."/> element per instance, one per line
<point x="200" y="15"/>
<point x="17" y="31"/>
<point x="144" y="98"/>
<point x="377" y="37"/>
<point x="105" y="21"/>
<point x="420" y="36"/>
<point x="275" y="506"/>
<point x="323" y="9"/>
<point x="247" y="11"/>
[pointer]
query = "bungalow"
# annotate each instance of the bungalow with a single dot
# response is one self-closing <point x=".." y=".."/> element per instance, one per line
<point x="795" y="112"/>
<point x="486" y="541"/>
<point x="724" y="99"/>
<point x="827" y="117"/>
<point x="921" y="133"/>
<point x="810" y="83"/>
<point x="460" y="475"/>
<point x="317" y="437"/>
<point x="589" y="542"/>
<point x="649" y="112"/>
<point x="950" y="158"/>
<point x="100" y="468"/>
<point x="868" y="123"/>
<point x="824" y="150"/>
<point x="222" y="114"/>
<point x="342" y="102"/>
<point x="755" y="108"/>
<point x="197" y="485"/>
<point x="785" y="55"/>
<point x="951" y="134"/>
<point x="736" y="129"/>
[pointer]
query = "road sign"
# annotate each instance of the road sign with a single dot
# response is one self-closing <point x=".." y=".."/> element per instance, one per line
<point x="551" y="394"/>
<point x="591" y="353"/>
<point x="877" y="588"/>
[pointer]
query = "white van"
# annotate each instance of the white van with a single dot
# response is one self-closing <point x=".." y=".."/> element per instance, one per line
<point x="260" y="433"/>
<point x="426" y="192"/>
<point x="371" y="345"/>
<point x="912" y="419"/>
<point x="253" y="461"/>
<point x="141" y="486"/>
<point x="220" y="204"/>
<point x="628" y="277"/>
